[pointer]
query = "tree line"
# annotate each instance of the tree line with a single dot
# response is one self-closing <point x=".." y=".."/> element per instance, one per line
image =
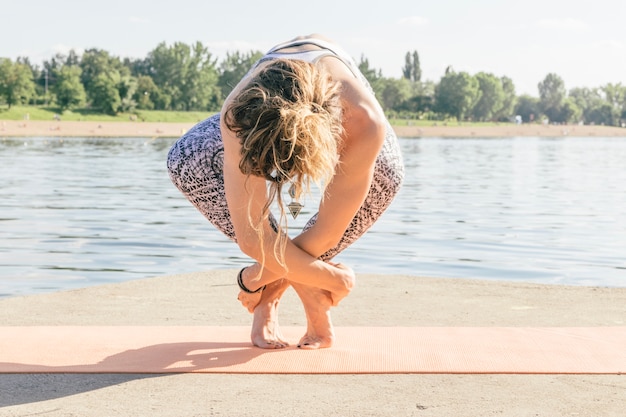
<point x="189" y="77"/>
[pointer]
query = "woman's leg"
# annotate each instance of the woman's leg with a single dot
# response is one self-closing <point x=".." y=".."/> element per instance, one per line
<point x="195" y="164"/>
<point x="388" y="176"/>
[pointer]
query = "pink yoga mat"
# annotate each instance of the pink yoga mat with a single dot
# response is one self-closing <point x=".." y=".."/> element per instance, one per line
<point x="358" y="350"/>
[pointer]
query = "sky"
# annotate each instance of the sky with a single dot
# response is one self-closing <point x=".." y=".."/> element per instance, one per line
<point x="581" y="41"/>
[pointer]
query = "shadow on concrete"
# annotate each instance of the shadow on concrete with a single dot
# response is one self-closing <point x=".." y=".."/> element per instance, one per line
<point x="17" y="389"/>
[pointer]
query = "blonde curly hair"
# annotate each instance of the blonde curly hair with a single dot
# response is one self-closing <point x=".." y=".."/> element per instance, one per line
<point x="288" y="119"/>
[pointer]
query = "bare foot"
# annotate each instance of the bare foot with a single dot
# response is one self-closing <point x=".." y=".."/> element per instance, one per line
<point x="249" y="301"/>
<point x="265" y="331"/>
<point x="317" y="304"/>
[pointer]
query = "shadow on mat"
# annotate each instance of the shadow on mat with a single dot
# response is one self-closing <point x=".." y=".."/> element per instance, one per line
<point x="28" y="383"/>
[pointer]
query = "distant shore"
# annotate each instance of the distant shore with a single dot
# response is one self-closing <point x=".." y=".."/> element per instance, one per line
<point x="12" y="128"/>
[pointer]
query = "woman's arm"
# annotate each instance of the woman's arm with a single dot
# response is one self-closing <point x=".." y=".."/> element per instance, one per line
<point x="364" y="130"/>
<point x="246" y="196"/>
<point x="364" y="134"/>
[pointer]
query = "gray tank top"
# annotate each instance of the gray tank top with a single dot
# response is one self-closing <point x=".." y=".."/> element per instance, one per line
<point x="311" y="56"/>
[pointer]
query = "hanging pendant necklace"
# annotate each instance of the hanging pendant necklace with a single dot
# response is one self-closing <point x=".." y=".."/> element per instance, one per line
<point x="294" y="207"/>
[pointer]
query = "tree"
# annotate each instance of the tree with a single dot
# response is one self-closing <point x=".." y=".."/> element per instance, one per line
<point x="601" y="115"/>
<point x="187" y="74"/>
<point x="147" y="94"/>
<point x="108" y="82"/>
<point x="394" y="92"/>
<point x="137" y="67"/>
<point x="615" y="96"/>
<point x="421" y="99"/>
<point x="36" y="77"/>
<point x="491" y="97"/>
<point x="570" y="112"/>
<point x="234" y="68"/>
<point x="588" y="100"/>
<point x="412" y="70"/>
<point x="16" y="82"/>
<point x="126" y="88"/>
<point x="373" y="76"/>
<point x="104" y="93"/>
<point x="528" y="108"/>
<point x="552" y="93"/>
<point x="508" y="100"/>
<point x="199" y="88"/>
<point x="95" y="62"/>
<point x="47" y="79"/>
<point x="68" y="89"/>
<point x="456" y="94"/>
<point x="416" y="105"/>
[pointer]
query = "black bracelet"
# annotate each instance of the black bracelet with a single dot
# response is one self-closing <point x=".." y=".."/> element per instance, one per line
<point x="243" y="287"/>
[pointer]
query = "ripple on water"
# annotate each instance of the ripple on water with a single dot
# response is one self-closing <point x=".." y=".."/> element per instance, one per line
<point x="79" y="212"/>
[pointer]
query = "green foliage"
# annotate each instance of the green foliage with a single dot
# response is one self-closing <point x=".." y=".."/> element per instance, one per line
<point x="234" y="68"/>
<point x="96" y="62"/>
<point x="456" y="94"/>
<point x="104" y="93"/>
<point x="497" y="98"/>
<point x="177" y="80"/>
<point x="187" y="75"/>
<point x="570" y="112"/>
<point x="551" y="96"/>
<point x="508" y="100"/>
<point x="145" y="93"/>
<point x="491" y="97"/>
<point x="16" y="82"/>
<point x="374" y="77"/>
<point x="528" y="108"/>
<point x="108" y="82"/>
<point x="615" y="97"/>
<point x="412" y="70"/>
<point x="68" y="89"/>
<point x="601" y="115"/>
<point x="394" y="92"/>
<point x="37" y="78"/>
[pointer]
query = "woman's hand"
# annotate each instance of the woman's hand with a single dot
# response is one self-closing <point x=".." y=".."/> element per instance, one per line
<point x="349" y="279"/>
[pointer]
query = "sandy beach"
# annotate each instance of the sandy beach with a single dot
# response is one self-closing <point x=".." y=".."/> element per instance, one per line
<point x="208" y="298"/>
<point x="11" y="128"/>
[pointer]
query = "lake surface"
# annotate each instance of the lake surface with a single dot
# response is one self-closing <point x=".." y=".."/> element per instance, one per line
<point x="81" y="212"/>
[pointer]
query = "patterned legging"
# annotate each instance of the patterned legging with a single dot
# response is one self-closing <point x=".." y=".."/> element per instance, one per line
<point x="195" y="163"/>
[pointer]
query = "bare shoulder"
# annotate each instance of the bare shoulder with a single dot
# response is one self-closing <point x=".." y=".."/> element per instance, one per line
<point x="363" y="115"/>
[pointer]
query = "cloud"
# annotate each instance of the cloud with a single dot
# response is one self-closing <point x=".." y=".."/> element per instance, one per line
<point x="610" y="44"/>
<point x="413" y="21"/>
<point x="567" y="23"/>
<point x="136" y="19"/>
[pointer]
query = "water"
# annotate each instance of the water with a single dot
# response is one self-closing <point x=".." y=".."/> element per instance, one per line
<point x="81" y="212"/>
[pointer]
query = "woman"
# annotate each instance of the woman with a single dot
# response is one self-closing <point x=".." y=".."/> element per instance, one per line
<point x="303" y="114"/>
